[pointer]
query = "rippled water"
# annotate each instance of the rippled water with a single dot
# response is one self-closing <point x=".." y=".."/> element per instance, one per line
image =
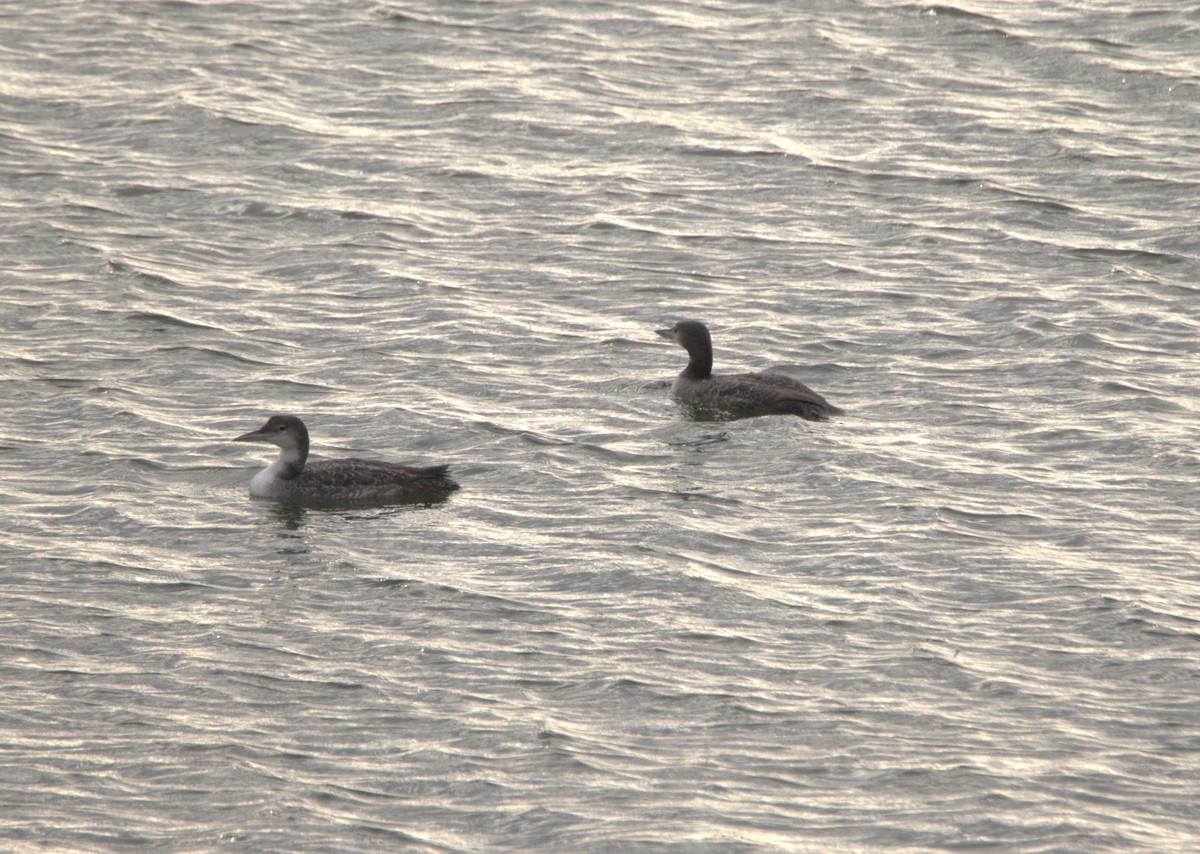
<point x="965" y="615"/>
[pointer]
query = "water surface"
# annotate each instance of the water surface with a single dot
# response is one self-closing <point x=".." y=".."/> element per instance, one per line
<point x="965" y="615"/>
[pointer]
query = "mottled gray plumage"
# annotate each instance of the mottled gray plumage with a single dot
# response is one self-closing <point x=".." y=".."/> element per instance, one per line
<point x="738" y="394"/>
<point x="288" y="478"/>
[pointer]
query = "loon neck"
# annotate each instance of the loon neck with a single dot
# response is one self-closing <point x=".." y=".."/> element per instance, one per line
<point x="290" y="462"/>
<point x="700" y="364"/>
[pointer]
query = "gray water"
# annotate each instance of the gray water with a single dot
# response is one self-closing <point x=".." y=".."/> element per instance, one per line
<point x="964" y="616"/>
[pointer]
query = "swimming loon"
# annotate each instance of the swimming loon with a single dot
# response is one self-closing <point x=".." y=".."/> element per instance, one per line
<point x="352" y="480"/>
<point x="738" y="394"/>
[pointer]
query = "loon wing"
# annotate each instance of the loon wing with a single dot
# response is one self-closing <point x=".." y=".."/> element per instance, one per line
<point x="356" y="473"/>
<point x="772" y="393"/>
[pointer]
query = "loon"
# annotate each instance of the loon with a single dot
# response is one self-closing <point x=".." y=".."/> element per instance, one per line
<point x="331" y="481"/>
<point x="739" y="394"/>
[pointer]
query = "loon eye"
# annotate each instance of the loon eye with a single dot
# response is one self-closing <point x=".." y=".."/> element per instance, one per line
<point x="282" y="427"/>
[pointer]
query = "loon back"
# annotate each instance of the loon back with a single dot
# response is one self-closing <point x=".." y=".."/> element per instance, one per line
<point x="754" y="394"/>
<point x="357" y="479"/>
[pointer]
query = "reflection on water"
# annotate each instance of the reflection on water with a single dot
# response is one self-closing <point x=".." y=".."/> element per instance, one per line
<point x="291" y="515"/>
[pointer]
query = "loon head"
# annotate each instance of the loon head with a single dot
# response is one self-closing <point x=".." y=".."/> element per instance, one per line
<point x="286" y="431"/>
<point x="687" y="334"/>
<point x="692" y="335"/>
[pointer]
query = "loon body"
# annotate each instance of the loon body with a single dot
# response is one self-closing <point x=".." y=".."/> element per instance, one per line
<point x="739" y="394"/>
<point x="334" y="481"/>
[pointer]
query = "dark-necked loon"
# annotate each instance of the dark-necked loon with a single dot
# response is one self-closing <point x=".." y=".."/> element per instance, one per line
<point x="738" y="394"/>
<point x="352" y="480"/>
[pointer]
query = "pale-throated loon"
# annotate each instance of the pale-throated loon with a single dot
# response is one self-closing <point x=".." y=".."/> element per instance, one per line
<point x="332" y="481"/>
<point x="738" y="394"/>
